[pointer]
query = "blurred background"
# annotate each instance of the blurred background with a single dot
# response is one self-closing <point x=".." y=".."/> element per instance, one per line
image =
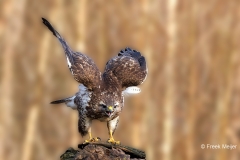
<point x="191" y="96"/>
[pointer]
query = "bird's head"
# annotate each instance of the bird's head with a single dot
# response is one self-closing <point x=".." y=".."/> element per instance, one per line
<point x="111" y="104"/>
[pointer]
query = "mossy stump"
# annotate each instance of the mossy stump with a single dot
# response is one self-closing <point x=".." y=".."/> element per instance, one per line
<point x="103" y="151"/>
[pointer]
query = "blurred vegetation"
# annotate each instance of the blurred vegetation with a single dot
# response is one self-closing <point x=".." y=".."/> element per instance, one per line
<point x="191" y="96"/>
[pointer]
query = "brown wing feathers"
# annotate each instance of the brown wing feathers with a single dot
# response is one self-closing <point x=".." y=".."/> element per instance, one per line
<point x="82" y="67"/>
<point x="129" y="67"/>
<point x="136" y="55"/>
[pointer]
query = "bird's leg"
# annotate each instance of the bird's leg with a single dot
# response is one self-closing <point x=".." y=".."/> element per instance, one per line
<point x="111" y="139"/>
<point x="91" y="139"/>
<point x="112" y="125"/>
<point x="84" y="128"/>
<point x="90" y="133"/>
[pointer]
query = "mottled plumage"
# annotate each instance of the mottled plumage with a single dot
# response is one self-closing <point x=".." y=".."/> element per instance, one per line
<point x="101" y="96"/>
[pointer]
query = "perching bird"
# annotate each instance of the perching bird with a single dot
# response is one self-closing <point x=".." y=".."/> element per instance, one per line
<point x="101" y="96"/>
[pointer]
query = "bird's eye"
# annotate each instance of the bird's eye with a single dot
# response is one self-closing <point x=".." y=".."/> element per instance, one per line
<point x="103" y="105"/>
<point x="115" y="106"/>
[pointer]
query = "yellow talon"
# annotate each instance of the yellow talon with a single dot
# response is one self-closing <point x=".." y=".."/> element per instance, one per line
<point x="111" y="139"/>
<point x="92" y="140"/>
<point x="90" y="137"/>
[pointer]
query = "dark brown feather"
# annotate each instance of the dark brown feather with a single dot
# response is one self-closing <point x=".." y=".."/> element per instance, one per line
<point x="129" y="68"/>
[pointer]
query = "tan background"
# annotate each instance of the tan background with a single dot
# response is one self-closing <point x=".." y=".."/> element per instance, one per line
<point x="191" y="96"/>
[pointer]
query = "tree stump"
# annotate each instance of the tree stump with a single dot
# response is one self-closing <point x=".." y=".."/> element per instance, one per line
<point x="103" y="151"/>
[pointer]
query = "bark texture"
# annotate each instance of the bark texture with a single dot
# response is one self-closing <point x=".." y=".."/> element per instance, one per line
<point x="103" y="151"/>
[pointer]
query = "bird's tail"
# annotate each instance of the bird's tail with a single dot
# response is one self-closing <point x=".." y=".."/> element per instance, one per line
<point x="68" y="101"/>
<point x="59" y="101"/>
<point x="64" y="100"/>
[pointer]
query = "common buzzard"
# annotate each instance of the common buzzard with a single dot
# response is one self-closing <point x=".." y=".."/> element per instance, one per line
<point x="101" y="96"/>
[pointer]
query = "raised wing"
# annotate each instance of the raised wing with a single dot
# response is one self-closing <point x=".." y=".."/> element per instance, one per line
<point x="83" y="68"/>
<point x="128" y="68"/>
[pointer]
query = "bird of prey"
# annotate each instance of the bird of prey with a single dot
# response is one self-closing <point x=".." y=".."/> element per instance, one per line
<point x="101" y="95"/>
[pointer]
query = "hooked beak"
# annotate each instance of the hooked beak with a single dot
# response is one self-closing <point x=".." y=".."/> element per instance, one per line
<point x="109" y="111"/>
